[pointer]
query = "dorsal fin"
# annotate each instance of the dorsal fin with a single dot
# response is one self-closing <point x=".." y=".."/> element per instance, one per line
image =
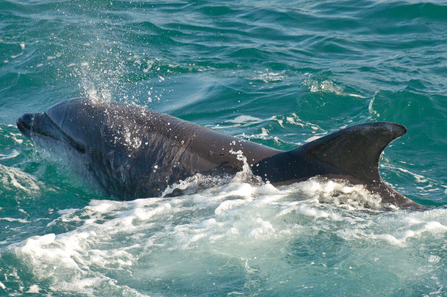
<point x="356" y="150"/>
<point x="352" y="154"/>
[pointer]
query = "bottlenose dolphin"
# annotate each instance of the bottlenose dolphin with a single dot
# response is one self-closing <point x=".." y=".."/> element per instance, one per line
<point x="131" y="151"/>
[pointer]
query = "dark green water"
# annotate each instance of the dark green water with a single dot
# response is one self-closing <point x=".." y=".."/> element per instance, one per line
<point x="280" y="73"/>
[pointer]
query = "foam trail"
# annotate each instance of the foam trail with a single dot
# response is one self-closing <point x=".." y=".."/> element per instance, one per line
<point x="230" y="230"/>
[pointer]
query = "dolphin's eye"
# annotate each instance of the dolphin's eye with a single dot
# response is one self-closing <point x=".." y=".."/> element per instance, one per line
<point x="80" y="148"/>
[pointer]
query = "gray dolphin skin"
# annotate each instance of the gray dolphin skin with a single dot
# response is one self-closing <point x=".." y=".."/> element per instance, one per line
<point x="132" y="152"/>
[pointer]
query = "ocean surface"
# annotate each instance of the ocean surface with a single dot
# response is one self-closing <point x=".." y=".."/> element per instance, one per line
<point x="280" y="73"/>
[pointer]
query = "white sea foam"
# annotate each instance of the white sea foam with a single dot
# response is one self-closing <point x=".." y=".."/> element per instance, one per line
<point x="327" y="86"/>
<point x="232" y="226"/>
<point x="244" y="119"/>
<point x="270" y="76"/>
<point x="11" y="155"/>
<point x="14" y="179"/>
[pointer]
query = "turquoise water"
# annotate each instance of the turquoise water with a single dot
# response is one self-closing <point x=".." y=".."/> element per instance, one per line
<point x="280" y="73"/>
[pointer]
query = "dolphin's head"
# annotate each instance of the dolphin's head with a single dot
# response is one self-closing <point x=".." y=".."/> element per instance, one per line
<point x="97" y="138"/>
<point x="71" y="129"/>
<point x="67" y="125"/>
